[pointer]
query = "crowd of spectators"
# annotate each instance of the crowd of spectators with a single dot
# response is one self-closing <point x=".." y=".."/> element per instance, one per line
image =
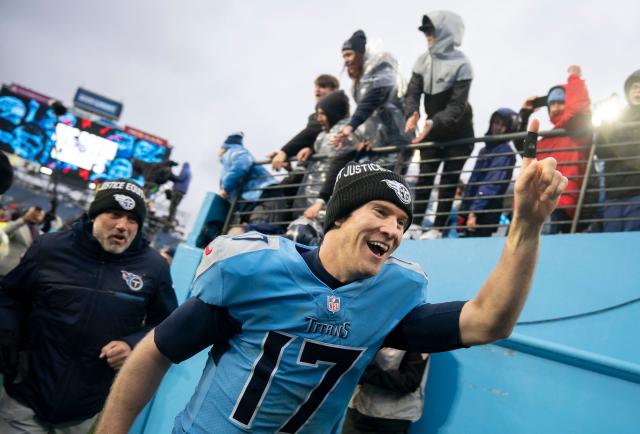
<point x="388" y="113"/>
<point x="43" y="313"/>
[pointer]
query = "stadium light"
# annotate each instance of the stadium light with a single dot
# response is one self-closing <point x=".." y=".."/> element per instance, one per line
<point x="606" y="110"/>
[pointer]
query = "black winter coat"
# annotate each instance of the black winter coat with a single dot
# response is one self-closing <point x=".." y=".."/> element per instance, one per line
<point x="66" y="300"/>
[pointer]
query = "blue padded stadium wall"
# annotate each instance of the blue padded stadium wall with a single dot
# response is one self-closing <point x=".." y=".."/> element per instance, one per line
<point x="571" y="365"/>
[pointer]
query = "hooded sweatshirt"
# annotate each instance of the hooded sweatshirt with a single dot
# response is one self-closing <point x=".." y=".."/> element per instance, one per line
<point x="182" y="181"/>
<point x="321" y="174"/>
<point x="238" y="166"/>
<point x="443" y="74"/>
<point x="492" y="171"/>
<point x="335" y="106"/>
<point x="626" y="184"/>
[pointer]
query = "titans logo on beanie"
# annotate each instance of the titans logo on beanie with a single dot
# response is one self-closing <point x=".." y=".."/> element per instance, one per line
<point x="119" y="194"/>
<point x="358" y="184"/>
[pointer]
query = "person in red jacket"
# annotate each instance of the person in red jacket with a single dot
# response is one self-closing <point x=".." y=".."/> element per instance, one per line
<point x="569" y="109"/>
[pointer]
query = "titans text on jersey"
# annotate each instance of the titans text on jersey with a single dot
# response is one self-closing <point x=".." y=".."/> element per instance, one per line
<point x="300" y="347"/>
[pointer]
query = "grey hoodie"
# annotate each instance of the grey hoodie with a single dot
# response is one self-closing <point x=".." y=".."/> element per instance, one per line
<point x="443" y="74"/>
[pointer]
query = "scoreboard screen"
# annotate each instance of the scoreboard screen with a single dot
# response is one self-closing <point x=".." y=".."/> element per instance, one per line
<point x="83" y="149"/>
<point x="77" y="148"/>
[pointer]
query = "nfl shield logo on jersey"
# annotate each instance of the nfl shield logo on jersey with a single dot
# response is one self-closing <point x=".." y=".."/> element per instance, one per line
<point x="333" y="303"/>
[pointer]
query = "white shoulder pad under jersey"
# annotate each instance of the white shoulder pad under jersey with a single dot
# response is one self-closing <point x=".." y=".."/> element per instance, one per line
<point x="408" y="266"/>
<point x="227" y="246"/>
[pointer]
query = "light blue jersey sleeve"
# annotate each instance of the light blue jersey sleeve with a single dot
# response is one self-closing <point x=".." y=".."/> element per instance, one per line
<point x="223" y="253"/>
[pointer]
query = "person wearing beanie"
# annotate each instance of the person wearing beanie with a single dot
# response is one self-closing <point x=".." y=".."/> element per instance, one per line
<point x="618" y="145"/>
<point x="237" y="166"/>
<point x="120" y="195"/>
<point x="556" y="95"/>
<point x="442" y="77"/>
<point x="242" y="179"/>
<point x="357" y="42"/>
<point x="569" y="108"/>
<point x="233" y="139"/>
<point x="293" y="327"/>
<point x="88" y="295"/>
<point x="360" y="183"/>
<point x="377" y="88"/>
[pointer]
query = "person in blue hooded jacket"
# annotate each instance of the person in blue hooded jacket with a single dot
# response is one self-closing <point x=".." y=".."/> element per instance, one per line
<point x="238" y="169"/>
<point x="483" y="195"/>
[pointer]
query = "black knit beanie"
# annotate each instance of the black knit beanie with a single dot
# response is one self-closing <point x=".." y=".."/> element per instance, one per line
<point x="234" y="139"/>
<point x="359" y="183"/>
<point x="119" y="194"/>
<point x="357" y="42"/>
<point x="335" y="106"/>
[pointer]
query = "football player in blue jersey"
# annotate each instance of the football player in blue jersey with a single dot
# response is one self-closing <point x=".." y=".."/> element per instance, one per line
<point x="293" y="327"/>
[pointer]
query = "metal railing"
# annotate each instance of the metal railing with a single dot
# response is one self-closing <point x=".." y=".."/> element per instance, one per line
<point x="279" y="209"/>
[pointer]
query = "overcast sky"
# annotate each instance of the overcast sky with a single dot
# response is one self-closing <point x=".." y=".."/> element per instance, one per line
<point x="194" y="71"/>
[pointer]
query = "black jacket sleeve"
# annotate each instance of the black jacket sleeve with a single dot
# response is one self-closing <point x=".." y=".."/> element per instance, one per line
<point x="304" y="139"/>
<point x="429" y="328"/>
<point x="160" y="307"/>
<point x="447" y="121"/>
<point x="368" y="104"/>
<point x="17" y="291"/>
<point x="405" y="379"/>
<point x="413" y="94"/>
<point x="191" y="328"/>
<point x="607" y="134"/>
<point x="337" y="163"/>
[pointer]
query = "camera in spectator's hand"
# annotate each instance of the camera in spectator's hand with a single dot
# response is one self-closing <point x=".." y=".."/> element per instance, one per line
<point x="540" y="101"/>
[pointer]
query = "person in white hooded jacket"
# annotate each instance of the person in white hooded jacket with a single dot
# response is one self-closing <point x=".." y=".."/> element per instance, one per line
<point x="443" y="74"/>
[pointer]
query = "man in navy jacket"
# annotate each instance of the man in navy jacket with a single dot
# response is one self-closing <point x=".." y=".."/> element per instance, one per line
<point x="72" y="311"/>
<point x="484" y="194"/>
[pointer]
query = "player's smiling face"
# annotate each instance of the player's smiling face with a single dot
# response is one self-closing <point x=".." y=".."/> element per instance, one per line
<point x="368" y="237"/>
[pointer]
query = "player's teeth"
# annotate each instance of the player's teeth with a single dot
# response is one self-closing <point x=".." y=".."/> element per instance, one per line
<point x="382" y="246"/>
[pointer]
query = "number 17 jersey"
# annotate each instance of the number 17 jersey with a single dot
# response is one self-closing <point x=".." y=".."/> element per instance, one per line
<point x="303" y="346"/>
